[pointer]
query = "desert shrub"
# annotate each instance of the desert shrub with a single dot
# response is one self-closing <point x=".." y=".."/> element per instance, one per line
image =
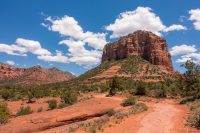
<point x="194" y="118"/>
<point x="30" y="95"/>
<point x="52" y="104"/>
<point x="24" y="111"/>
<point x="111" y="112"/>
<point x="129" y="101"/>
<point x="137" y="108"/>
<point x="69" y="97"/>
<point x="73" y="128"/>
<point x="5" y="94"/>
<point x="62" y="105"/>
<point x="140" y="89"/>
<point x="195" y="105"/>
<point x="160" y="93"/>
<point x="40" y="109"/>
<point x="187" y="99"/>
<point x="98" y="124"/>
<point x="4" y="113"/>
<point x="119" y="115"/>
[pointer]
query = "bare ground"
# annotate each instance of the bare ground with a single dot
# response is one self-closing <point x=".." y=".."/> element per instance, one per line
<point x="163" y="116"/>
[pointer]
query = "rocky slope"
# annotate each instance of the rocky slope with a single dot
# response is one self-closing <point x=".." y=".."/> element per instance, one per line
<point x="35" y="75"/>
<point x="141" y="55"/>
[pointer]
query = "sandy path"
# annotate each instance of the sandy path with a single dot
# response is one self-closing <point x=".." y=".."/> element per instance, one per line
<point x="160" y="120"/>
<point x="163" y="117"/>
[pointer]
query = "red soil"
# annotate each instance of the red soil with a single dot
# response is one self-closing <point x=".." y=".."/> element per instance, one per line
<point x="14" y="106"/>
<point x="50" y="119"/>
<point x="163" y="116"/>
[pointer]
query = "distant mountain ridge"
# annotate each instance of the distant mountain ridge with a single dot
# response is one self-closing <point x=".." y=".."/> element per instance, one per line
<point x="10" y="75"/>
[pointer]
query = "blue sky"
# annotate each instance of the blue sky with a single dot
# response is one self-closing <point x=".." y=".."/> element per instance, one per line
<point x="70" y="35"/>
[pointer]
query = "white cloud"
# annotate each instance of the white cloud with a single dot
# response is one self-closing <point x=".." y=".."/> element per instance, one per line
<point x="195" y="57"/>
<point x="69" y="27"/>
<point x="76" y="40"/>
<point x="142" y="18"/>
<point x="195" y="16"/>
<point x="182" y="49"/>
<point x="32" y="46"/>
<point x="80" y="55"/>
<point x="10" y="62"/>
<point x="175" y="27"/>
<point x="13" y="49"/>
<point x="77" y="53"/>
<point x="187" y="52"/>
<point x="22" y="47"/>
<point x="59" y="57"/>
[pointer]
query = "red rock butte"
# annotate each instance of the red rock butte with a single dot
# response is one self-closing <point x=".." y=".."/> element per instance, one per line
<point x="141" y="43"/>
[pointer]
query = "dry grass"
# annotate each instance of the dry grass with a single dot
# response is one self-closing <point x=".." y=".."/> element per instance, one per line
<point x="115" y="117"/>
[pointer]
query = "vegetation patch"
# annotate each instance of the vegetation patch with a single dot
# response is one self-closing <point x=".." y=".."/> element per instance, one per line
<point x="129" y="101"/>
<point x="4" y="113"/>
<point x="194" y="118"/>
<point x="92" y="126"/>
<point x="69" y="97"/>
<point x="40" y="109"/>
<point x="24" y="111"/>
<point x="52" y="104"/>
<point x="131" y="65"/>
<point x="187" y="99"/>
<point x="62" y="105"/>
<point x="195" y="105"/>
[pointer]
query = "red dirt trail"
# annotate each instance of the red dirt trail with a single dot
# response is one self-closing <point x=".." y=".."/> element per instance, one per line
<point x="164" y="116"/>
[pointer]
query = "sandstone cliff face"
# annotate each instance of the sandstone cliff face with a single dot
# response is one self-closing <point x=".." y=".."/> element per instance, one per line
<point x="141" y="43"/>
<point x="33" y="75"/>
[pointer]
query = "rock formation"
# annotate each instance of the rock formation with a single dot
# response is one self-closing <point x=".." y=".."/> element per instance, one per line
<point x="33" y="75"/>
<point x="141" y="43"/>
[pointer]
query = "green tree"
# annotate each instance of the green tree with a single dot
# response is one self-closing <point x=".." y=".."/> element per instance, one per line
<point x="69" y="97"/>
<point x="192" y="72"/>
<point x="192" y="79"/>
<point x="114" y="86"/>
<point x="140" y="89"/>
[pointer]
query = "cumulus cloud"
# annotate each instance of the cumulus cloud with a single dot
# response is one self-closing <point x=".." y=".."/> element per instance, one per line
<point x="9" y="62"/>
<point x="195" y="57"/>
<point x="68" y="26"/>
<point x="59" y="57"/>
<point x="182" y="49"/>
<point x="13" y="49"/>
<point x="76" y="39"/>
<point x="142" y="18"/>
<point x="22" y="47"/>
<point x="80" y="55"/>
<point x="175" y="27"/>
<point x="187" y="52"/>
<point x="195" y="17"/>
<point x="32" y="46"/>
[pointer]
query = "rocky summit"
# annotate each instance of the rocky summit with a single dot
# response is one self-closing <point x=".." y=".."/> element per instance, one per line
<point x="141" y="55"/>
<point x="141" y="43"/>
<point x="35" y="75"/>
